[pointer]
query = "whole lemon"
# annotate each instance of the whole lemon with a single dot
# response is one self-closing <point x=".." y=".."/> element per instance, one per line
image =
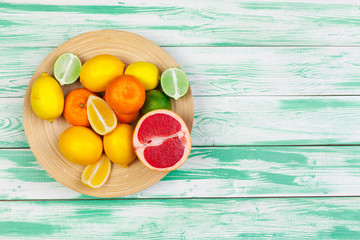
<point x="80" y="145"/>
<point x="98" y="71"/>
<point x="47" y="98"/>
<point x="147" y="73"/>
<point x="118" y="145"/>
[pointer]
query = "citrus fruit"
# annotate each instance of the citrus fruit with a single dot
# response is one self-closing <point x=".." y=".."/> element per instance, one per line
<point x="125" y="94"/>
<point x="162" y="140"/>
<point x="118" y="145"/>
<point x="101" y="117"/>
<point x="127" y="118"/>
<point x="155" y="99"/>
<point x="147" y="73"/>
<point x="98" y="71"/>
<point x="95" y="175"/>
<point x="80" y="145"/>
<point x="47" y="98"/>
<point x="75" y="110"/>
<point x="67" y="68"/>
<point x="174" y="82"/>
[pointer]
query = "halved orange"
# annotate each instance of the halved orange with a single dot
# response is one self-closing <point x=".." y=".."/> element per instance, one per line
<point x="96" y="175"/>
<point x="101" y="117"/>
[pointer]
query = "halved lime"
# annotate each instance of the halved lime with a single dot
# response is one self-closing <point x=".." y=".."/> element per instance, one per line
<point x="67" y="68"/>
<point x="174" y="82"/>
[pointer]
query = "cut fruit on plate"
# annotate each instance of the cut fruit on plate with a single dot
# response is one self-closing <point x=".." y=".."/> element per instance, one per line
<point x="97" y="174"/>
<point x="67" y="68"/>
<point x="101" y="117"/>
<point x="162" y="141"/>
<point x="174" y="82"/>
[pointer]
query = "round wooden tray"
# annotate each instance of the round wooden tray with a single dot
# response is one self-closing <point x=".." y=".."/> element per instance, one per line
<point x="43" y="136"/>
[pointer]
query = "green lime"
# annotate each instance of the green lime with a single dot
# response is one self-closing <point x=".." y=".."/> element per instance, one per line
<point x="174" y="82"/>
<point x="67" y="68"/>
<point x="155" y="99"/>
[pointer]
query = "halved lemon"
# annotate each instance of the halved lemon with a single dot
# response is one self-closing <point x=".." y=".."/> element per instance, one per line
<point x="101" y="117"/>
<point x="96" y="175"/>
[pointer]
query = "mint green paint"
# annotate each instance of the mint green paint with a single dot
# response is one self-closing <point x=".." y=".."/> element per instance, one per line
<point x="112" y="10"/>
<point x="29" y="229"/>
<point x="278" y="178"/>
<point x="314" y="104"/>
<point x="339" y="232"/>
<point x="93" y="215"/>
<point x="195" y="174"/>
<point x="303" y="142"/>
<point x="231" y="155"/>
<point x="338" y="214"/>
<point x="291" y="6"/>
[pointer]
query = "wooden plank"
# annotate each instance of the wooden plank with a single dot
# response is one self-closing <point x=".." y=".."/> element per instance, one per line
<point x="212" y="172"/>
<point x="227" y="70"/>
<point x="276" y="120"/>
<point x="287" y="218"/>
<point x="246" y="23"/>
<point x="12" y="134"/>
<point x="239" y="120"/>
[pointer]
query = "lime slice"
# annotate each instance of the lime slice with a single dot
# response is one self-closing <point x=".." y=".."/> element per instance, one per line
<point x="67" y="68"/>
<point x="174" y="82"/>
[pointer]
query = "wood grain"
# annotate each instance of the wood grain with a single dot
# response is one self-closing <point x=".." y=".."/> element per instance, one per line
<point x="206" y="23"/>
<point x="227" y="71"/>
<point x="294" y="218"/>
<point x="211" y="172"/>
<point x="43" y="136"/>
<point x="240" y="120"/>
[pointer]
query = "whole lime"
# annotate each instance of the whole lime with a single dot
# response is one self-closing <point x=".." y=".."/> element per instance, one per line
<point x="155" y="99"/>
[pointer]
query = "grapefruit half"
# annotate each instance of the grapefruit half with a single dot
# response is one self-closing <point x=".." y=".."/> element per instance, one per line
<point x="161" y="140"/>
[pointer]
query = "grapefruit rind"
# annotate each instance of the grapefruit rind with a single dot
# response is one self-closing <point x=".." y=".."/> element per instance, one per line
<point x="182" y="134"/>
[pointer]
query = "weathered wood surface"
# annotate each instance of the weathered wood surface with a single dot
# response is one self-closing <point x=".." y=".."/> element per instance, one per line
<point x="262" y="218"/>
<point x="229" y="71"/>
<point x="185" y="23"/>
<point x="212" y="172"/>
<point x="236" y="120"/>
<point x="275" y="83"/>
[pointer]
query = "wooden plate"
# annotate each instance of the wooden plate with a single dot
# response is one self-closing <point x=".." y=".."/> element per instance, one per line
<point x="43" y="135"/>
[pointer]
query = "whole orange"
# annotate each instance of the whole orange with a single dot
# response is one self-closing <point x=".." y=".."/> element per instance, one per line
<point x="125" y="94"/>
<point x="127" y="118"/>
<point x="75" y="107"/>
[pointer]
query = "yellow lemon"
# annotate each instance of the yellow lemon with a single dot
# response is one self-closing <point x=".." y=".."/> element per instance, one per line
<point x="118" y="145"/>
<point x="80" y="145"/>
<point x="147" y="73"/>
<point x="96" y="175"/>
<point x="47" y="98"/>
<point x="98" y="71"/>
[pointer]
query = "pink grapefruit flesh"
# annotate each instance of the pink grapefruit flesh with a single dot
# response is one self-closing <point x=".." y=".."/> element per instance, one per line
<point x="162" y="140"/>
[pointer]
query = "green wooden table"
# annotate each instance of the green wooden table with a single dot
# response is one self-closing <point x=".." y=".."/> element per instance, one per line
<point x="276" y="133"/>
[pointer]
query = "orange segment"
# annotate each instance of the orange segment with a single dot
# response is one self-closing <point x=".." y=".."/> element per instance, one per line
<point x="96" y="175"/>
<point x="102" y="119"/>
